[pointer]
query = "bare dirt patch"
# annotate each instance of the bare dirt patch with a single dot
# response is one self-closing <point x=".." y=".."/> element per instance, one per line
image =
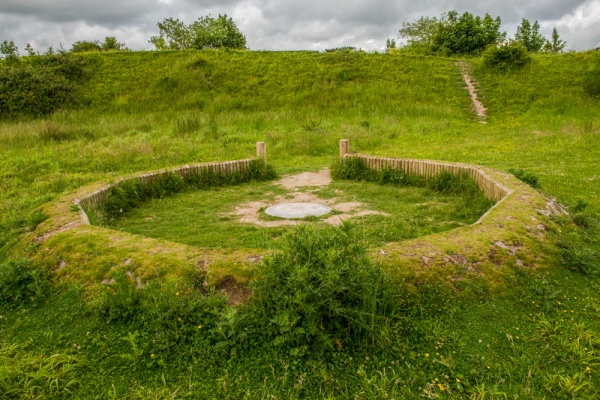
<point x="306" y="179"/>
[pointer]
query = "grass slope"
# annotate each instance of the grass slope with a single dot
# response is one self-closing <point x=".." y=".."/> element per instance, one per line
<point x="539" y="339"/>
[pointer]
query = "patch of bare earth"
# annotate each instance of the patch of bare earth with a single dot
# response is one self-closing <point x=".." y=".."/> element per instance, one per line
<point x="479" y="108"/>
<point x="306" y="179"/>
<point x="250" y="212"/>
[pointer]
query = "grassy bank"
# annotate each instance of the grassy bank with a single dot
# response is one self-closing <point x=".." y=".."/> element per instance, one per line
<point x="178" y="337"/>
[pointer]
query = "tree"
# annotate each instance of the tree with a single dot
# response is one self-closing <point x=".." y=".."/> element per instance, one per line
<point x="9" y="50"/>
<point x="420" y="33"/>
<point x="86" y="46"/>
<point x="216" y="33"/>
<point x="529" y="35"/>
<point x="556" y="45"/>
<point x="173" y="35"/>
<point x="390" y="45"/>
<point x="30" y="51"/>
<point x="453" y="33"/>
<point x="206" y="32"/>
<point x="112" y="44"/>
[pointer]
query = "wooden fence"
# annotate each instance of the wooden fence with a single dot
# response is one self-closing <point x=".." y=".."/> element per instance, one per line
<point x="224" y="168"/>
<point x="491" y="188"/>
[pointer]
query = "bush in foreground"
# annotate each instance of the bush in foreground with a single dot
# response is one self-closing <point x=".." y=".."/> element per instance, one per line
<point x="322" y="291"/>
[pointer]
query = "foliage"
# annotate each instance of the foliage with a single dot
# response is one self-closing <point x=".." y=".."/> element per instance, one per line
<point x="529" y="35"/>
<point x="555" y="45"/>
<point x="9" y="50"/>
<point x="528" y="177"/>
<point x="453" y="34"/>
<point x="110" y="44"/>
<point x="42" y="85"/>
<point x="342" y="49"/>
<point x="20" y="282"/>
<point x="506" y="57"/>
<point x="205" y="33"/>
<point x="322" y="290"/>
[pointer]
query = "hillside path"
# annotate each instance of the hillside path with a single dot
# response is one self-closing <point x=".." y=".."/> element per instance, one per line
<point x="478" y="105"/>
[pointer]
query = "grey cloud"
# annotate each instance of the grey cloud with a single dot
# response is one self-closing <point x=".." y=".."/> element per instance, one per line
<point x="109" y="12"/>
<point x="278" y="24"/>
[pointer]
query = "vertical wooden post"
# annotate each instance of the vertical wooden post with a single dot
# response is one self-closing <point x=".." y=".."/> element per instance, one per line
<point x="261" y="151"/>
<point x="344" y="148"/>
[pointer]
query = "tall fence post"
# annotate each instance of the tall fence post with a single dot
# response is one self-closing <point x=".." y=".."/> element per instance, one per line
<point x="344" y="148"/>
<point x="261" y="151"/>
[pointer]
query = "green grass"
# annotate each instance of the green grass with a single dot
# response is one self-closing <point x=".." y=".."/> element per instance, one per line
<point x="207" y="218"/>
<point x="147" y="110"/>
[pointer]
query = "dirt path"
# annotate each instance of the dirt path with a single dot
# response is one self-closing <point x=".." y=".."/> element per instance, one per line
<point x="479" y="108"/>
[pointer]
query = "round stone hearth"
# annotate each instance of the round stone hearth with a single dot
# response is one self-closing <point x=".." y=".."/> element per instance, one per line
<point x="298" y="210"/>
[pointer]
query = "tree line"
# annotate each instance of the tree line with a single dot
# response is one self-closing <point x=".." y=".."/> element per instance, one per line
<point x="467" y="34"/>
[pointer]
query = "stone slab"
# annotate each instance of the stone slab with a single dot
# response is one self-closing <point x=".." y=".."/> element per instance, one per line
<point x="297" y="210"/>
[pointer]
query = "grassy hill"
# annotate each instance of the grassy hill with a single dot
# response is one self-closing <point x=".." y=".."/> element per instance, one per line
<point x="148" y="110"/>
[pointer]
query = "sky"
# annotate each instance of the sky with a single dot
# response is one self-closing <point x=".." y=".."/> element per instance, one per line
<point x="280" y="24"/>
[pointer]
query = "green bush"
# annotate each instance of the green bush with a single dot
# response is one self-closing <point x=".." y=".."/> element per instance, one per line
<point x="506" y="57"/>
<point x="527" y="177"/>
<point x="41" y="85"/>
<point x="321" y="290"/>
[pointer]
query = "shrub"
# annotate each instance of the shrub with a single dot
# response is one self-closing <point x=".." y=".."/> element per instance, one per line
<point x="41" y="85"/>
<point x="527" y="177"/>
<point x="321" y="290"/>
<point x="506" y="57"/>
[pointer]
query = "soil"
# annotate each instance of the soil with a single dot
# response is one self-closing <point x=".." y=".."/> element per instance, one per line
<point x="479" y="108"/>
<point x="306" y="179"/>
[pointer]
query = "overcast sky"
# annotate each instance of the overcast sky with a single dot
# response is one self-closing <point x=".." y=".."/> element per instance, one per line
<point x="282" y="24"/>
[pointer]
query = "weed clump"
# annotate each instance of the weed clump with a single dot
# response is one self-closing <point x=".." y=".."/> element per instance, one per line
<point x="322" y="291"/>
<point x="527" y="177"/>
